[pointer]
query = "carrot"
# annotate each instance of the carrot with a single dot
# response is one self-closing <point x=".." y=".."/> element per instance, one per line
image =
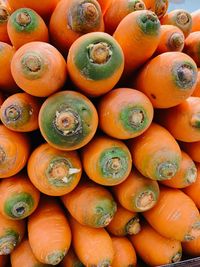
<point x="138" y="35"/>
<point x="125" y="113"/>
<point x="171" y="39"/>
<point x="3" y="260"/>
<point x="93" y="246"/>
<point x="68" y="120"/>
<point x="118" y="10"/>
<point x="158" y="6"/>
<point x="24" y="255"/>
<point x="156" y="160"/>
<point x="186" y="175"/>
<point x="137" y="193"/>
<point x="192" y="44"/>
<point x="124" y="252"/>
<point x="14" y="151"/>
<point x="104" y="4"/>
<point x="106" y="161"/>
<point x="154" y="249"/>
<point x="192" y="149"/>
<point x="5" y="12"/>
<point x="71" y="260"/>
<point x="39" y="69"/>
<point x="178" y="215"/>
<point x="90" y="204"/>
<point x="2" y="98"/>
<point x="25" y="25"/>
<point x="177" y="74"/>
<point x="196" y="91"/>
<point x="49" y="225"/>
<point x="195" y="20"/>
<point x="57" y="173"/>
<point x="19" y="112"/>
<point x="95" y="63"/>
<point x="124" y="222"/>
<point x="192" y="247"/>
<point x="75" y="18"/>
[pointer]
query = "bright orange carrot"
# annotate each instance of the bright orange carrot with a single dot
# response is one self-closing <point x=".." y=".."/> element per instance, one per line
<point x="192" y="44"/>
<point x="193" y="150"/>
<point x="93" y="246"/>
<point x="19" y="112"/>
<point x="197" y="87"/>
<point x="186" y="175"/>
<point x="195" y="20"/>
<point x="137" y="193"/>
<point x="180" y="18"/>
<point x="118" y="10"/>
<point x="124" y="222"/>
<point x="125" y="113"/>
<point x="5" y="12"/>
<point x="71" y="260"/>
<point x="3" y="261"/>
<point x="39" y="69"/>
<point x="49" y="232"/>
<point x="95" y="63"/>
<point x="124" y="252"/>
<point x="192" y="248"/>
<point x="178" y="215"/>
<point x="106" y="160"/>
<point x="104" y="4"/>
<point x="138" y="35"/>
<point x="158" y="6"/>
<point x="14" y="151"/>
<point x="24" y="26"/>
<point x="156" y="160"/>
<point x="155" y="249"/>
<point x="75" y="18"/>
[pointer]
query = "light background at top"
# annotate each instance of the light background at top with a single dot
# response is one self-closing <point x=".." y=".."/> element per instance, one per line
<point x="188" y="5"/>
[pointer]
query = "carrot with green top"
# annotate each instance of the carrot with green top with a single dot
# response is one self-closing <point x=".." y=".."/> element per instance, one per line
<point x="158" y="6"/>
<point x="192" y="149"/>
<point x="5" y="12"/>
<point x="71" y="260"/>
<point x="195" y="20"/>
<point x="196" y="91"/>
<point x="95" y="63"/>
<point x="192" y="46"/>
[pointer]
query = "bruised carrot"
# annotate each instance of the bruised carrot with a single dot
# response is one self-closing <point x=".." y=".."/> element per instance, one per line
<point x="156" y="160"/>
<point x="75" y="18"/>
<point x="57" y="173"/>
<point x="39" y="69"/>
<point x="178" y="215"/>
<point x="25" y="25"/>
<point x="171" y="39"/>
<point x="192" y="149"/>
<point x="158" y="6"/>
<point x="93" y="246"/>
<point x="138" y="35"/>
<point x="124" y="222"/>
<point x="118" y="10"/>
<point x="95" y="63"/>
<point x="104" y="4"/>
<point x="177" y="74"/>
<point x="90" y="204"/>
<point x="11" y="234"/>
<point x="14" y="151"/>
<point x="3" y="260"/>
<point x="49" y="232"/>
<point x="154" y="249"/>
<point x="68" y="120"/>
<point x="71" y="260"/>
<point x="124" y="252"/>
<point x="186" y="175"/>
<point x="5" y="12"/>
<point x="192" y="248"/>
<point x="19" y="112"/>
<point x="192" y="46"/>
<point x="106" y="160"/>
<point x="125" y="113"/>
<point x="196" y="91"/>
<point x="137" y="193"/>
<point x="195" y="20"/>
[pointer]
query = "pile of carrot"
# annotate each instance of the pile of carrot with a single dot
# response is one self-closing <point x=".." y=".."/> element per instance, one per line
<point x="99" y="133"/>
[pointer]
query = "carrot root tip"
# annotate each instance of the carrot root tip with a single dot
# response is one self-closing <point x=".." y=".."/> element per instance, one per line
<point x="55" y="257"/>
<point x="195" y="120"/>
<point x="8" y="242"/>
<point x="193" y="233"/>
<point x="176" y="41"/>
<point x="133" y="227"/>
<point x="12" y="113"/>
<point x="23" y="18"/>
<point x="146" y="200"/>
<point x="166" y="170"/>
<point x="4" y="14"/>
<point x="99" y="53"/>
<point x="182" y="18"/>
<point x="19" y="209"/>
<point x="32" y="65"/>
<point x="106" y="209"/>
<point x="191" y="175"/>
<point x="177" y="257"/>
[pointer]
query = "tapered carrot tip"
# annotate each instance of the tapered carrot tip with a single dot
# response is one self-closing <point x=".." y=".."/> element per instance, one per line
<point x="176" y="41"/>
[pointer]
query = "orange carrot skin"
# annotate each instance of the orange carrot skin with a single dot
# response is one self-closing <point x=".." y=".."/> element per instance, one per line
<point x="5" y="12"/>
<point x="71" y="260"/>
<point x="178" y="215"/>
<point x="192" y="248"/>
<point x="158" y="6"/>
<point x="50" y="225"/>
<point x="154" y="249"/>
<point x="105" y="4"/>
<point x="124" y="252"/>
<point x="193" y="150"/>
<point x="195" y="20"/>
<point x="192" y="46"/>
<point x="197" y="87"/>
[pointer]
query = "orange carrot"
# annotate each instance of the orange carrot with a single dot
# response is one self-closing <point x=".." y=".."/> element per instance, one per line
<point x="5" y="12"/>
<point x="49" y="232"/>
<point x="95" y="63"/>
<point x="75" y="18"/>
<point x="90" y="204"/>
<point x="39" y="69"/>
<point x="125" y="113"/>
<point x="180" y="18"/>
<point x="71" y="260"/>
<point x="138" y="35"/>
<point x="57" y="173"/>
<point x="14" y="151"/>
<point x="24" y="26"/>
<point x="19" y="112"/>
<point x="124" y="252"/>
<point x="124" y="222"/>
<point x="106" y="160"/>
<point x="104" y="4"/>
<point x="196" y="91"/>
<point x="158" y="6"/>
<point x="137" y="193"/>
<point x="186" y="175"/>
<point x="193" y="150"/>
<point x="177" y="74"/>
<point x="93" y="246"/>
<point x="192" y="44"/>
<point x="195" y="20"/>
<point x="3" y="261"/>
<point x="192" y="248"/>
<point x="154" y="249"/>
<point x="175" y="216"/>
<point x="68" y="120"/>
<point x="118" y="10"/>
<point x="156" y="160"/>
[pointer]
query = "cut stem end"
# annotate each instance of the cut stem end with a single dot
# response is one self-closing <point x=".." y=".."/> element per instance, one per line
<point x="4" y="14"/>
<point x="176" y="41"/>
<point x="23" y="18"/>
<point x="99" y="53"/>
<point x="145" y="200"/>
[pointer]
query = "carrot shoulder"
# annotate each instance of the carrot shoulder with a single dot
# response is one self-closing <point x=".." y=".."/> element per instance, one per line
<point x="158" y="6"/>
<point x="195" y="20"/>
<point x="192" y="44"/>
